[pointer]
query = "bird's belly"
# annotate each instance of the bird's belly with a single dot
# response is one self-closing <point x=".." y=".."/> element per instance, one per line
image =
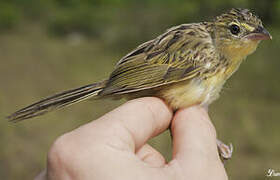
<point x="192" y="92"/>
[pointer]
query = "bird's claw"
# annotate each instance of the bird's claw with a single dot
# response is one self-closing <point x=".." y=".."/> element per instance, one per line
<point x="225" y="151"/>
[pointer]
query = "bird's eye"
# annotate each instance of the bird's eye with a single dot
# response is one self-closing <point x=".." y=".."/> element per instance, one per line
<point x="234" y="29"/>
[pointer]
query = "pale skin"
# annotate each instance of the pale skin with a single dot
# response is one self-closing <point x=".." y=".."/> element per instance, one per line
<point x="114" y="147"/>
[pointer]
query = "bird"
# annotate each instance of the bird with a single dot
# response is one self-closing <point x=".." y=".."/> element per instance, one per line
<point x="186" y="65"/>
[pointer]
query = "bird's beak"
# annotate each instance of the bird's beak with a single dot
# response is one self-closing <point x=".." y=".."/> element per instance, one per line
<point x="259" y="33"/>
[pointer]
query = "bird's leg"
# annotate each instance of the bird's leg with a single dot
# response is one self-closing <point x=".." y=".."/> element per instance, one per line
<point x="225" y="151"/>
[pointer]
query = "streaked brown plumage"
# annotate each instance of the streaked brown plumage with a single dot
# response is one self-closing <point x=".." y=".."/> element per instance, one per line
<point x="186" y="65"/>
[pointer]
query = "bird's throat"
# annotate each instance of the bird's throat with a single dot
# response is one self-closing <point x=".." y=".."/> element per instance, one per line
<point x="236" y="53"/>
<point x="239" y="52"/>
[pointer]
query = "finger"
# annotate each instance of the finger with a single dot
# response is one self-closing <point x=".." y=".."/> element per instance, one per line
<point x="42" y="175"/>
<point x="129" y="126"/>
<point x="141" y="118"/>
<point x="151" y="156"/>
<point x="194" y="138"/>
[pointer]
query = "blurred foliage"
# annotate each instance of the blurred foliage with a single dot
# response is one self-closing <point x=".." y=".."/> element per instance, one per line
<point x="9" y="16"/>
<point x="90" y="16"/>
<point x="51" y="45"/>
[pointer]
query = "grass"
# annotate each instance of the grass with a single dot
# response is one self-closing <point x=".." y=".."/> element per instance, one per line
<point x="35" y="65"/>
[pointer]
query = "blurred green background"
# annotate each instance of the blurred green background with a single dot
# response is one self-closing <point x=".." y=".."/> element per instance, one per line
<point x="47" y="46"/>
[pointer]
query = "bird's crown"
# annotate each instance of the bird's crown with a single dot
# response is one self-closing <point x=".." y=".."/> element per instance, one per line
<point x="241" y="16"/>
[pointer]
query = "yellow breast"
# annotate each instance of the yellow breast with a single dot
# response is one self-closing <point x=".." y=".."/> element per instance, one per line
<point x="195" y="91"/>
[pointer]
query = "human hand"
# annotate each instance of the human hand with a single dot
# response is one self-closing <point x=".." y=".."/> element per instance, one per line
<point x="114" y="147"/>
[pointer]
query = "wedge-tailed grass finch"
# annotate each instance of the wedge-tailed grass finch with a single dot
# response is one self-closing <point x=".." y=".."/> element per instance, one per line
<point x="186" y="65"/>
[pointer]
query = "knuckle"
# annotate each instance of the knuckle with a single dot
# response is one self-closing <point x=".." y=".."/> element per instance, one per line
<point x="154" y="106"/>
<point x="147" y="105"/>
<point x="59" y="152"/>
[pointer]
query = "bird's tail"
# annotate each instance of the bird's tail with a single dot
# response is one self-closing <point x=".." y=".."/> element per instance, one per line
<point x="57" y="101"/>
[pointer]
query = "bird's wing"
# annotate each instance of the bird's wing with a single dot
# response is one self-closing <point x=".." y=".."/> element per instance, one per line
<point x="177" y="55"/>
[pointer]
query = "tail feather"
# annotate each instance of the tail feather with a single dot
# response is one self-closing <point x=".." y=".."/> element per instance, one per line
<point x="57" y="101"/>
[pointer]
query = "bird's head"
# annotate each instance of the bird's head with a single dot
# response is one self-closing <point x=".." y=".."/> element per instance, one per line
<point x="238" y="32"/>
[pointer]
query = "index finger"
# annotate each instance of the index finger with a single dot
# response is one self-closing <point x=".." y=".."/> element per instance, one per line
<point x="137" y="121"/>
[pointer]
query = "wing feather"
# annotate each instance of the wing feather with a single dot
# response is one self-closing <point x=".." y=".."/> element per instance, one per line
<point x="177" y="55"/>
